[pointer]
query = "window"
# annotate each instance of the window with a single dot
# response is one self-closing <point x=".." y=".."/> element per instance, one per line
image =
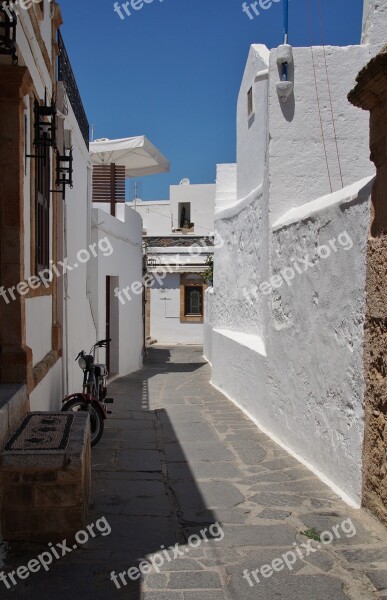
<point x="192" y="298"/>
<point x="250" y="104"/>
<point x="42" y="210"/>
<point x="185" y="215"/>
<point x="193" y="301"/>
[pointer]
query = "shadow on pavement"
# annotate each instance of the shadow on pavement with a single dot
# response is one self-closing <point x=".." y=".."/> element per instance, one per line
<point x="146" y="506"/>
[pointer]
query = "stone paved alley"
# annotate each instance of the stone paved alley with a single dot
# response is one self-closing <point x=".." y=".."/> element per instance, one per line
<point x="176" y="457"/>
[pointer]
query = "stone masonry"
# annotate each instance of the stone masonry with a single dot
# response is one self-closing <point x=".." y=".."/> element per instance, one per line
<point x="45" y="494"/>
<point x="370" y="94"/>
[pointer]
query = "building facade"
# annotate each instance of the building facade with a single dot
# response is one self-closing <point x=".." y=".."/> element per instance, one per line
<point x="30" y="217"/>
<point x="58" y="255"/>
<point x="178" y="241"/>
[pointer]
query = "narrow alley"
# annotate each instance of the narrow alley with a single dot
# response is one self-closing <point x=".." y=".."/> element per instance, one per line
<point x="177" y="457"/>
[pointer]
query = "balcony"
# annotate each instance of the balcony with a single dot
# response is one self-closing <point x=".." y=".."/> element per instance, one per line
<point x="65" y="74"/>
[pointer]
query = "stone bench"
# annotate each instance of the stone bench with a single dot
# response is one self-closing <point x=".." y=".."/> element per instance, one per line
<point x="45" y="475"/>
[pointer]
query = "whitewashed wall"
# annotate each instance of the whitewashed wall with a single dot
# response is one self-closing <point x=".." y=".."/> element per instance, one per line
<point x="79" y="319"/>
<point x="301" y="381"/>
<point x="253" y="130"/>
<point x="125" y="265"/>
<point x="208" y="324"/>
<point x="291" y="355"/>
<point x="156" y="216"/>
<point x="48" y="394"/>
<point x="165" y="314"/>
<point x="202" y="200"/>
<point x="374" y="24"/>
<point x="298" y="171"/>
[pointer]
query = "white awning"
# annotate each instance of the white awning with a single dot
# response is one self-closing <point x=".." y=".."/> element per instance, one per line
<point x="137" y="154"/>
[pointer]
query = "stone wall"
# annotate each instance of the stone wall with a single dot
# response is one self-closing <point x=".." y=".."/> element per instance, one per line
<point x="371" y="94"/>
<point x="44" y="495"/>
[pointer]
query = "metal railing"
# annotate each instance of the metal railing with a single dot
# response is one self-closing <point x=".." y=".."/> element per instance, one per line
<point x="65" y="74"/>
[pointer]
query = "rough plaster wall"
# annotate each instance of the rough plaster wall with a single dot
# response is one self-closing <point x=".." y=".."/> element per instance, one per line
<point x="316" y="344"/>
<point x="298" y="171"/>
<point x="208" y="323"/>
<point x="374" y="23"/>
<point x="308" y="392"/>
<point x="240" y="265"/>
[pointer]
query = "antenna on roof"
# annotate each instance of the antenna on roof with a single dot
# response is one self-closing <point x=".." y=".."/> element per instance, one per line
<point x="286" y="21"/>
<point x="135" y="191"/>
<point x="92" y="133"/>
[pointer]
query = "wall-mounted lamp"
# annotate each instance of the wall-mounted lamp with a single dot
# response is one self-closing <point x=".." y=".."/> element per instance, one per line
<point x="45" y="124"/>
<point x="44" y="129"/>
<point x="284" y="59"/>
<point x="8" y="22"/>
<point x="64" y="171"/>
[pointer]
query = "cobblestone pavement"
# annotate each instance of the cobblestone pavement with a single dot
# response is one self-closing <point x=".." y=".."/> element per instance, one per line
<point x="177" y="457"/>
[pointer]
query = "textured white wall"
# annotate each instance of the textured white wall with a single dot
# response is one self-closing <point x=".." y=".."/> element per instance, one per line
<point x="208" y="324"/>
<point x="374" y="24"/>
<point x="298" y="170"/>
<point x="243" y="257"/>
<point x="291" y="355"/>
<point x="308" y="391"/>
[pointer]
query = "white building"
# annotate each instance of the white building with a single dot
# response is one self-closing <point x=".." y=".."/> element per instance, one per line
<point x="59" y="257"/>
<point x="178" y="240"/>
<point x="284" y="320"/>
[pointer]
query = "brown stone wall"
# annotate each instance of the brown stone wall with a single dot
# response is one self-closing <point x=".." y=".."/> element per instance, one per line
<point x="375" y="345"/>
<point x="45" y="497"/>
<point x="371" y="94"/>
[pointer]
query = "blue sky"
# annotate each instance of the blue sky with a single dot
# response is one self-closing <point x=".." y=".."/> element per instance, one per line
<point x="172" y="71"/>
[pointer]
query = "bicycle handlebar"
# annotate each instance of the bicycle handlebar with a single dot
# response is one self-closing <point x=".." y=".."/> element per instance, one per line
<point x="103" y="342"/>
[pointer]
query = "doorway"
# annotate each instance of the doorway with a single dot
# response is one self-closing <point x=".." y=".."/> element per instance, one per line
<point x="112" y="325"/>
